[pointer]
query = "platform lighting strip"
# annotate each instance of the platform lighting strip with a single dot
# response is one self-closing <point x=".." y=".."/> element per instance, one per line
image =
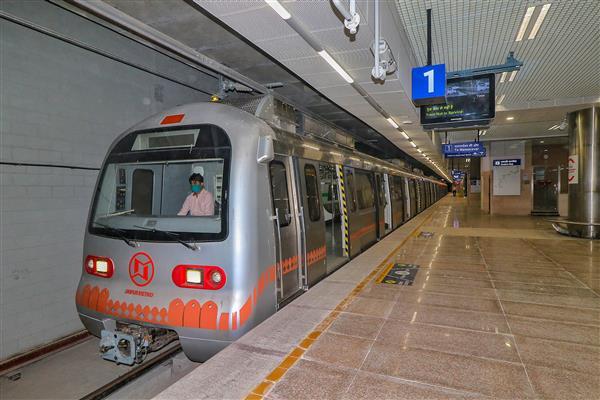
<point x="313" y="42"/>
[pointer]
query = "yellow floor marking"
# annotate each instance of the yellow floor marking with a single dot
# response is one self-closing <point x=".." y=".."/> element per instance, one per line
<point x="290" y="360"/>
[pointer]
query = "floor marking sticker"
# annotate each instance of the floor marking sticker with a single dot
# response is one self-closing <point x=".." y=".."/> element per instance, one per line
<point x="401" y="274"/>
<point x="426" y="234"/>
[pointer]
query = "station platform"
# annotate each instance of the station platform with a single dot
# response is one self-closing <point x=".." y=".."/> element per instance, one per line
<point x="500" y="307"/>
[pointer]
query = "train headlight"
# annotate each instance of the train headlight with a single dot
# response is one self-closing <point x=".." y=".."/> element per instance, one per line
<point x="199" y="277"/>
<point x="102" y="266"/>
<point x="99" y="266"/>
<point x="193" y="276"/>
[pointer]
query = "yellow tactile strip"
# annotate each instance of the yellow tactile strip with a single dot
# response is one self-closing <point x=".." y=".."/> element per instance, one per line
<point x="288" y="362"/>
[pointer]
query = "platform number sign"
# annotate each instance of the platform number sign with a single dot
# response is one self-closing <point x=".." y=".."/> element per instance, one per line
<point x="429" y="85"/>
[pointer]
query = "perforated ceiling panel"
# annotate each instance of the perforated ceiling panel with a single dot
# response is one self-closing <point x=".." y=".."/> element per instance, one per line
<point x="562" y="61"/>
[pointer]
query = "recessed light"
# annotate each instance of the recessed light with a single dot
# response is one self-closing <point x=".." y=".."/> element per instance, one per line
<point x="325" y="55"/>
<point x="407" y="122"/>
<point x="538" y="22"/>
<point x="510" y="118"/>
<point x="512" y="76"/>
<point x="392" y="122"/>
<point x="500" y="99"/>
<point x="541" y="141"/>
<point x="503" y="77"/>
<point x="524" y="23"/>
<point x="279" y="9"/>
<point x="553" y="127"/>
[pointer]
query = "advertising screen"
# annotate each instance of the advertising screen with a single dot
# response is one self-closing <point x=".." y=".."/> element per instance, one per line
<point x="469" y="101"/>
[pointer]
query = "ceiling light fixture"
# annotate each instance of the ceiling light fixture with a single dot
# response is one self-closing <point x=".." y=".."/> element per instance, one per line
<point x="412" y="143"/>
<point x="538" y="21"/>
<point x="483" y="132"/>
<point x="392" y="122"/>
<point x="553" y="127"/>
<point x="405" y="135"/>
<point x="525" y="23"/>
<point x="512" y="76"/>
<point x="510" y="118"/>
<point x="336" y="66"/>
<point x="419" y="150"/>
<point x="500" y="99"/>
<point x="308" y="146"/>
<point x="503" y="77"/>
<point x="283" y="13"/>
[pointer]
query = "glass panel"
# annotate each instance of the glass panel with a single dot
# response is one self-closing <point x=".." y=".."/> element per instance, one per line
<point x="364" y="191"/>
<point x="350" y="190"/>
<point x="312" y="192"/>
<point x="141" y="194"/>
<point x="164" y="194"/>
<point x="279" y="192"/>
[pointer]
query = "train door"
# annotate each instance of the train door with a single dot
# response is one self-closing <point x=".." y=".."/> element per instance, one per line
<point x="388" y="189"/>
<point x="315" y="252"/>
<point x="398" y="201"/>
<point x="331" y="196"/>
<point x="352" y="208"/>
<point x="380" y="205"/>
<point x="286" y="229"/>
<point x="364" y="231"/>
<point x="412" y="189"/>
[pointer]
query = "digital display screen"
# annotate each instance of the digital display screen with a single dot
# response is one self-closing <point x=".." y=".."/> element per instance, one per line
<point x="468" y="100"/>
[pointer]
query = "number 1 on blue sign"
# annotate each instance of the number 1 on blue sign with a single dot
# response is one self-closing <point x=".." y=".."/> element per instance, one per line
<point x="429" y="76"/>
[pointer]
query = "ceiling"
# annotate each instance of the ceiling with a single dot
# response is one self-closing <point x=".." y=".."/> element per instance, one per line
<point x="560" y="71"/>
<point x="192" y="26"/>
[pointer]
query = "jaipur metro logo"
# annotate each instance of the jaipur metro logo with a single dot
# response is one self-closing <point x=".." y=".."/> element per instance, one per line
<point x="141" y="269"/>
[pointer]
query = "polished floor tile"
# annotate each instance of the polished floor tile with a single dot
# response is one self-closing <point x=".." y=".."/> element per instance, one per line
<point x="588" y="316"/>
<point x="444" y="316"/>
<point x="546" y="289"/>
<point x="368" y="386"/>
<point x="560" y="355"/>
<point x="492" y="378"/>
<point x="567" y="332"/>
<point x="370" y="307"/>
<point x="450" y="301"/>
<point x="312" y="380"/>
<point x="550" y="383"/>
<point x="339" y="350"/>
<point x="356" y="325"/>
<point x="449" y="340"/>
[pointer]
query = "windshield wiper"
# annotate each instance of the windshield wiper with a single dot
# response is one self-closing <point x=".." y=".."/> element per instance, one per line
<point x="116" y="214"/>
<point x="119" y="232"/>
<point x="171" y="235"/>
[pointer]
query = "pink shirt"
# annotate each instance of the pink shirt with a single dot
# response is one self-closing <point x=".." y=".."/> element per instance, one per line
<point x="198" y="204"/>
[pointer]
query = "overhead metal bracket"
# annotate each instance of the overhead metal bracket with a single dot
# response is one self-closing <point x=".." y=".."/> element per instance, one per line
<point x="511" y="64"/>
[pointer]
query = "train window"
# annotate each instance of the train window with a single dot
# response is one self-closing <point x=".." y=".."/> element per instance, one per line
<point x="145" y="192"/>
<point x="397" y="189"/>
<point x="142" y="191"/>
<point x="312" y="192"/>
<point x="350" y="190"/>
<point x="279" y="192"/>
<point x="364" y="191"/>
<point x="380" y="190"/>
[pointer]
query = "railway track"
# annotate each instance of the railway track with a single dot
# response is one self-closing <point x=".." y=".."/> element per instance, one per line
<point x="136" y="372"/>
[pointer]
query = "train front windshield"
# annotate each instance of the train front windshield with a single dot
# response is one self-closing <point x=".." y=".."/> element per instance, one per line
<point x="145" y="191"/>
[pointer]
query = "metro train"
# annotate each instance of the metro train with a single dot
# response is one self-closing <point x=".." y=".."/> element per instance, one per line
<point x="151" y="276"/>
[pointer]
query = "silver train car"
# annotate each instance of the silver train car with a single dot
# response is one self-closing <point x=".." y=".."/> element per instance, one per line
<point x="285" y="211"/>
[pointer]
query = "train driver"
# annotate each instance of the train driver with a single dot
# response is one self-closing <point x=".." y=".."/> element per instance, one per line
<point x="200" y="202"/>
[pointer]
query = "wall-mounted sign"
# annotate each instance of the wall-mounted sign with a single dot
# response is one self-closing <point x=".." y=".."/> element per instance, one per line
<point x="429" y="85"/>
<point x="469" y="102"/>
<point x="573" y="169"/>
<point x="465" y="149"/>
<point x="507" y="163"/>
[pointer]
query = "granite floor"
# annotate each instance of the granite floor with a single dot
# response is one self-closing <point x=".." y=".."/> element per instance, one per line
<point x="501" y="307"/>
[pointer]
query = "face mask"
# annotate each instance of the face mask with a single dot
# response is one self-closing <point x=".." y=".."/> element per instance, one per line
<point x="196" y="188"/>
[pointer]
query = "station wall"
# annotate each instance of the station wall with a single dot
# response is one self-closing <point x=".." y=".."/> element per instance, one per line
<point x="62" y="104"/>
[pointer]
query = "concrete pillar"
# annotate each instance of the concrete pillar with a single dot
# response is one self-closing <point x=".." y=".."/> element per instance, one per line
<point x="584" y="172"/>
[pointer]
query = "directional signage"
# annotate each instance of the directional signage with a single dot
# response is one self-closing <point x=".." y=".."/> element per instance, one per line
<point x="465" y="149"/>
<point x="507" y="163"/>
<point x="458" y="175"/>
<point x="429" y="85"/>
